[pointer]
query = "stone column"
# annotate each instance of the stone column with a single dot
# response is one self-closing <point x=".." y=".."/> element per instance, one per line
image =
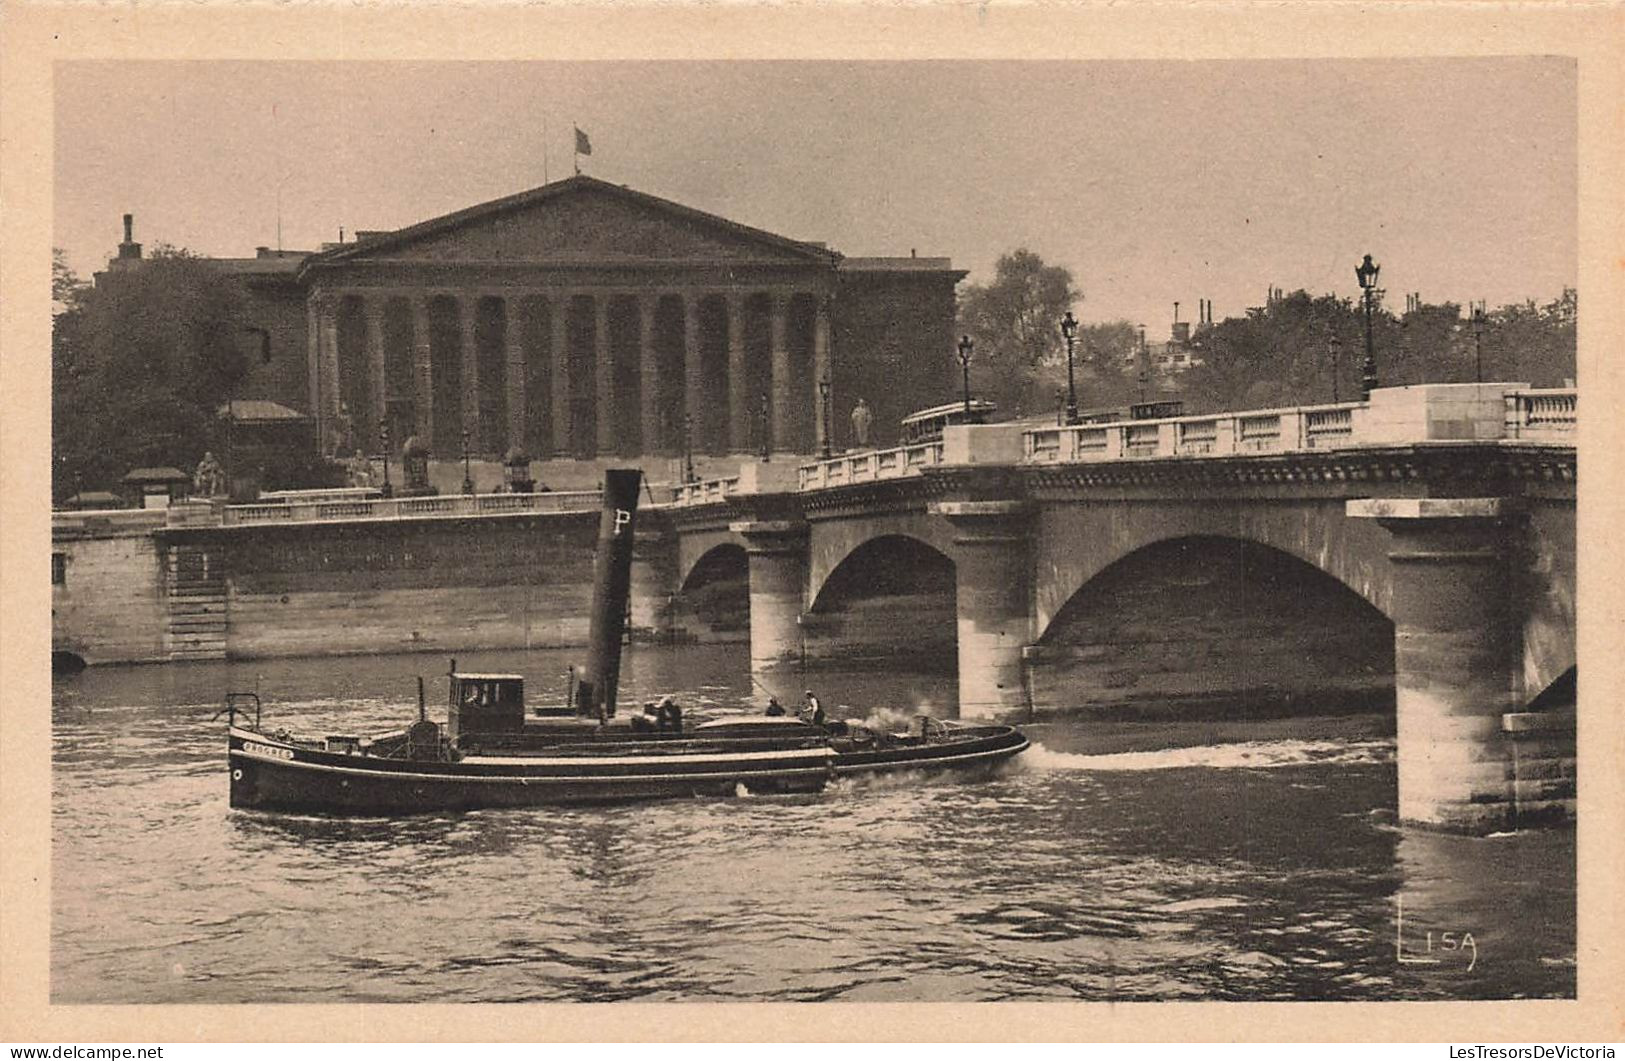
<point x="992" y="576"/>
<point x="373" y="306"/>
<point x="559" y="320"/>
<point x="783" y="385"/>
<point x="467" y="312"/>
<point x="776" y="552"/>
<point x="654" y="581"/>
<point x="693" y="380"/>
<point x="513" y="343"/>
<point x="313" y="364"/>
<point x="1456" y="657"/>
<point x="423" y="370"/>
<point x="822" y="370"/>
<point x="327" y="308"/>
<point x="607" y="417"/>
<point x="648" y="374"/>
<point x="739" y="401"/>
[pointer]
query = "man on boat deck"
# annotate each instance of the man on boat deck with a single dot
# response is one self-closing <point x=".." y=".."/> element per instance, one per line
<point x="814" y="711"/>
<point x="644" y="722"/>
<point x="669" y="715"/>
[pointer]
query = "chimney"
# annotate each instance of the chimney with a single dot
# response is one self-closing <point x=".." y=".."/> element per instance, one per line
<point x="129" y="249"/>
<point x="1176" y="313"/>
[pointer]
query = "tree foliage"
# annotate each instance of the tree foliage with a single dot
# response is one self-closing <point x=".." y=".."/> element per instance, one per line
<point x="1015" y="322"/>
<point x="1291" y="351"/>
<point x="139" y="364"/>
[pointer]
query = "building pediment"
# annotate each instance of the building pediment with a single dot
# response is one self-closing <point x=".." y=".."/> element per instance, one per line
<point x="574" y="221"/>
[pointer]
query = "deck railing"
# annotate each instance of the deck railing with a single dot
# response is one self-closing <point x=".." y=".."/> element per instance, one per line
<point x="1219" y="434"/>
<point x="1542" y="414"/>
<point x="705" y="491"/>
<point x="448" y="505"/>
<point x="870" y="465"/>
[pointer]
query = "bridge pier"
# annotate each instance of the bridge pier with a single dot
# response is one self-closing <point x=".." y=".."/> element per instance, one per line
<point x="654" y="581"/>
<point x="1455" y="659"/>
<point x="776" y="552"/>
<point x="991" y="580"/>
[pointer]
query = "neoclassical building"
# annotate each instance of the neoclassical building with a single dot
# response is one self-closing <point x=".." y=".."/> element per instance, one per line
<point x="583" y="318"/>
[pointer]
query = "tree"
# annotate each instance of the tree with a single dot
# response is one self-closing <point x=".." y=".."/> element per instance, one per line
<point x="1015" y="322"/>
<point x="139" y="364"/>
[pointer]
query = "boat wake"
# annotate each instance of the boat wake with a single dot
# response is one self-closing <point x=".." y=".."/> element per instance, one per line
<point x="1254" y="755"/>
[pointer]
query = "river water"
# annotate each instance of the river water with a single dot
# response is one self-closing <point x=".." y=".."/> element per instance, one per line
<point x="1132" y="862"/>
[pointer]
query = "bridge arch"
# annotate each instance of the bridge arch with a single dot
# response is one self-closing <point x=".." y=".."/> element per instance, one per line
<point x="893" y="599"/>
<point x="1205" y="619"/>
<point x="712" y="602"/>
<point x="1074" y="544"/>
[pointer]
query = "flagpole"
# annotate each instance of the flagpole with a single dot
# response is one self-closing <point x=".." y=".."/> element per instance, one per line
<point x="544" y="147"/>
<point x="575" y="144"/>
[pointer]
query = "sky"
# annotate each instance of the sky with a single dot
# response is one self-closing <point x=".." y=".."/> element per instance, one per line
<point x="1152" y="181"/>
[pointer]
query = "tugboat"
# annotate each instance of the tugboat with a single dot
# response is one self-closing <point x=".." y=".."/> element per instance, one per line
<point x="489" y="753"/>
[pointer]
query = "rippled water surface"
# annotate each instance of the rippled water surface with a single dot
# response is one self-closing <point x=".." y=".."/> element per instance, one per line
<point x="1165" y="862"/>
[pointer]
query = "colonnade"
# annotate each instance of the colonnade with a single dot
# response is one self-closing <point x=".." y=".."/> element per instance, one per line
<point x="574" y="371"/>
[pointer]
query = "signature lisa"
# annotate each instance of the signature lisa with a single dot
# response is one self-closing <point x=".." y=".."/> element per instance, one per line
<point x="1432" y="947"/>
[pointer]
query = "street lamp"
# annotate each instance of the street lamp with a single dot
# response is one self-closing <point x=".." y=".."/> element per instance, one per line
<point x="966" y="348"/>
<point x="468" y="479"/>
<point x="688" y="447"/>
<point x="1069" y="330"/>
<point x="823" y="413"/>
<point x="1366" y="273"/>
<point x="767" y="443"/>
<point x="1145" y="365"/>
<point x="1334" y="347"/>
<point x="383" y="443"/>
<point x="1480" y="322"/>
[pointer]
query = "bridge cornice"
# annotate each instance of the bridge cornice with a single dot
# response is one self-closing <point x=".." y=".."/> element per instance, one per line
<point x="1432" y="467"/>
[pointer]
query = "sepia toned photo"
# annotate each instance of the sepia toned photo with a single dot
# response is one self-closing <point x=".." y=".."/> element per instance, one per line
<point x="834" y="530"/>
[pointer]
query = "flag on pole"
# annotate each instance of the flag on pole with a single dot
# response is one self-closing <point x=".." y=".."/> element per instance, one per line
<point x="583" y="145"/>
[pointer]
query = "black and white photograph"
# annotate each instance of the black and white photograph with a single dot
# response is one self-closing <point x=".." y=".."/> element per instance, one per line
<point x="836" y="530"/>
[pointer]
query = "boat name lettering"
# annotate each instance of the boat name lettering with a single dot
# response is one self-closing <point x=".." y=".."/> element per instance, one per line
<point x="265" y="751"/>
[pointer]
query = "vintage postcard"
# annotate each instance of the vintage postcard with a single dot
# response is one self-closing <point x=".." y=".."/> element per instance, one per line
<point x="868" y="506"/>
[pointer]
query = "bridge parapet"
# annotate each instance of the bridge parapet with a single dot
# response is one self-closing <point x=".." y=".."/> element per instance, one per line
<point x="446" y="505"/>
<point x="1396" y="415"/>
<point x="1542" y="414"/>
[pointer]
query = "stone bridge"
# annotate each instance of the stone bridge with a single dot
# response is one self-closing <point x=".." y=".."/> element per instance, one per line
<point x="1420" y="548"/>
<point x="1415" y="552"/>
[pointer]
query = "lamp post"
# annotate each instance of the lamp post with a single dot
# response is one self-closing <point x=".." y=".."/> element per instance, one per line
<point x="1145" y="365"/>
<point x="1334" y="347"/>
<point x="688" y="447"/>
<point x="1480" y="322"/>
<point x="1366" y="273"/>
<point x="468" y="479"/>
<point x="1069" y="331"/>
<point x="967" y="347"/>
<point x="823" y="414"/>
<point x="383" y="443"/>
<point x="761" y="420"/>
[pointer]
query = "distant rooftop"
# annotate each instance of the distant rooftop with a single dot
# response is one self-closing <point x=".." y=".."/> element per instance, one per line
<point x="897" y="265"/>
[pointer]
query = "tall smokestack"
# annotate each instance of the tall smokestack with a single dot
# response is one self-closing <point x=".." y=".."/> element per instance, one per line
<point x="1176" y="313"/>
<point x="129" y="248"/>
<point x="612" y="577"/>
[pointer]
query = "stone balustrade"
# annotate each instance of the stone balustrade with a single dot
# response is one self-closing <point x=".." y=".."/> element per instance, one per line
<point x="870" y="465"/>
<point x="442" y="505"/>
<point x="1542" y="414"/>
<point x="1257" y="431"/>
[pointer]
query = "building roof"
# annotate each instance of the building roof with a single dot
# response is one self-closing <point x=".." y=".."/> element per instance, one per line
<point x="252" y="409"/>
<point x="286" y="264"/>
<point x="89" y="498"/>
<point x="556" y="190"/>
<point x="164" y="474"/>
<point x="910" y="264"/>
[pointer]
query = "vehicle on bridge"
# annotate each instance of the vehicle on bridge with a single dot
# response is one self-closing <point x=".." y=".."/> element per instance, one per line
<point x="927" y="424"/>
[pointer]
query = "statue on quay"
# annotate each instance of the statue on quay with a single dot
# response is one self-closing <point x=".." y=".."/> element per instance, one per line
<point x="209" y="480"/>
